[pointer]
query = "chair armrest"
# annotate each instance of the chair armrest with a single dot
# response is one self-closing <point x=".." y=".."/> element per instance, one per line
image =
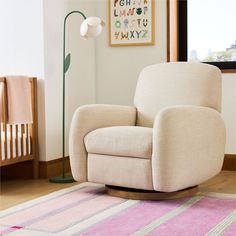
<point x="188" y="147"/>
<point x="90" y="117"/>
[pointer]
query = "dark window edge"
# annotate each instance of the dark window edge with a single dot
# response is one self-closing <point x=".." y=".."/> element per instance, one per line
<point x="226" y="67"/>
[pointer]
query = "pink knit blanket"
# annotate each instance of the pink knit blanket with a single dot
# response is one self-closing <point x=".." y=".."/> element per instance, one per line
<point x="19" y="105"/>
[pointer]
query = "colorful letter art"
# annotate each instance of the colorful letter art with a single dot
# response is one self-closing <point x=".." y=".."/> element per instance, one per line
<point x="131" y="22"/>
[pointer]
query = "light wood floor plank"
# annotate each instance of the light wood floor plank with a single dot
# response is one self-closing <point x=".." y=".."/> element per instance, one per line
<point x="14" y="192"/>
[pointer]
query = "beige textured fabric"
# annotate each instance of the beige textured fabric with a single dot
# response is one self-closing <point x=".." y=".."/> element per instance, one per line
<point x="188" y="147"/>
<point x="88" y="118"/>
<point x="120" y="171"/>
<point x="131" y="141"/>
<point x="181" y="102"/>
<point x="170" y="84"/>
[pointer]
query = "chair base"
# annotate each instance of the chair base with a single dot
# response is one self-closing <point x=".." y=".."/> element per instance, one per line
<point x="139" y="194"/>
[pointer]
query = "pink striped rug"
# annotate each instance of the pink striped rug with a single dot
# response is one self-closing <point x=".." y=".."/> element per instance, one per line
<point x="85" y="209"/>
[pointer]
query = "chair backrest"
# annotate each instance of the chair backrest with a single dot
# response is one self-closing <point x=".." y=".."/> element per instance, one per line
<point x="177" y="83"/>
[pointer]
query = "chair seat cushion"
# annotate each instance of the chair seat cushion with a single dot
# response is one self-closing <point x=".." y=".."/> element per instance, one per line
<point x="131" y="141"/>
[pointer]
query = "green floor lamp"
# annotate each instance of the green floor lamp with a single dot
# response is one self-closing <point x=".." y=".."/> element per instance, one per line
<point x="90" y="28"/>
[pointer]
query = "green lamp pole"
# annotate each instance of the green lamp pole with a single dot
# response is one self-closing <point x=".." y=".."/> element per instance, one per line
<point x="90" y="28"/>
<point x="66" y="64"/>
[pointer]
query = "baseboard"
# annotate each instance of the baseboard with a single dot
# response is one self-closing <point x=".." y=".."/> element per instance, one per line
<point x="52" y="168"/>
<point x="229" y="162"/>
<point x="48" y="169"/>
<point x="24" y="170"/>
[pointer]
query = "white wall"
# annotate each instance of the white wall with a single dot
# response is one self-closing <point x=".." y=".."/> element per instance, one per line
<point x="21" y="47"/>
<point x="229" y="110"/>
<point x="117" y="68"/>
<point x="88" y="82"/>
<point x="114" y="75"/>
<point x="31" y="44"/>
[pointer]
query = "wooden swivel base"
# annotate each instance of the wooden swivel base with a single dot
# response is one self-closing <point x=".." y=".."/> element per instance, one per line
<point x="139" y="194"/>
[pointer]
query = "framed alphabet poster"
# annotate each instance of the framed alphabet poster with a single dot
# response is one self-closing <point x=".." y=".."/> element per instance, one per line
<point x="131" y="22"/>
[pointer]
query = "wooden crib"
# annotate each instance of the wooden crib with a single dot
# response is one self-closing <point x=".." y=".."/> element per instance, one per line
<point x="19" y="142"/>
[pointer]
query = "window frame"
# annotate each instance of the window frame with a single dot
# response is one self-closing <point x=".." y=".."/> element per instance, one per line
<point x="177" y="36"/>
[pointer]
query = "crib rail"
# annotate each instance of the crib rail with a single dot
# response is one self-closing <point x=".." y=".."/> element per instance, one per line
<point x="19" y="142"/>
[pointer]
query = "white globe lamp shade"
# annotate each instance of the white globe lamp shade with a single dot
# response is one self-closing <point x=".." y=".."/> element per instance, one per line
<point x="91" y="27"/>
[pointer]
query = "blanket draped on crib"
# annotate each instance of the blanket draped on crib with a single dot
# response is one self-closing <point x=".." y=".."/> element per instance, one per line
<point x="19" y="105"/>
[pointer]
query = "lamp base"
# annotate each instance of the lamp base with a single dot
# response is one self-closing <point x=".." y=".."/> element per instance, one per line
<point x="62" y="179"/>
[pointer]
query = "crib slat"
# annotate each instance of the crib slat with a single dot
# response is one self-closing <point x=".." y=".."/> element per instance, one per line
<point x="5" y="141"/>
<point x="11" y="142"/>
<point x="22" y="140"/>
<point x="31" y="138"/>
<point x="17" y="137"/>
<point x="1" y="128"/>
<point x="27" y="141"/>
<point x="5" y="121"/>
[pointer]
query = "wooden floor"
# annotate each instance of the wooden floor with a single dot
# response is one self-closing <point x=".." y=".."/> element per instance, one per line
<point x="14" y="192"/>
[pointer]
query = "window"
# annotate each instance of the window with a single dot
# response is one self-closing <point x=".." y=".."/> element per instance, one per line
<point x="206" y="31"/>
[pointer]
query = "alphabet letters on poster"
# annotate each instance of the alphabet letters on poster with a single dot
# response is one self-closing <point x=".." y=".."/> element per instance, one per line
<point x="131" y="22"/>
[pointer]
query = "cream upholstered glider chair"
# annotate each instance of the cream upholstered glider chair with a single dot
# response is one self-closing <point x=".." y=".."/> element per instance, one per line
<point x="171" y="139"/>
